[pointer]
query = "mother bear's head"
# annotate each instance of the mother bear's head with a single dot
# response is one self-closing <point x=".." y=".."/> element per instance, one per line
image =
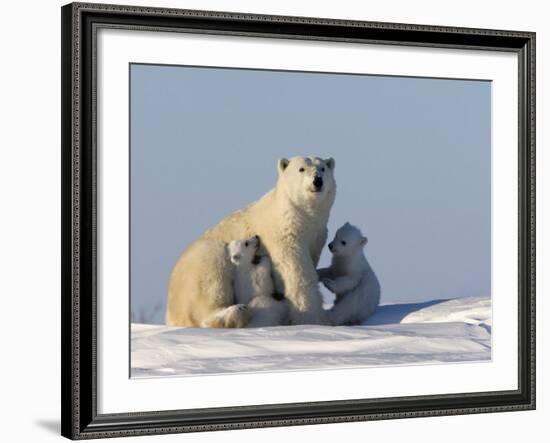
<point x="307" y="181"/>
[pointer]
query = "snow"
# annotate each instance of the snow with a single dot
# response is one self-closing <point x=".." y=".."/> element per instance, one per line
<point x="440" y="331"/>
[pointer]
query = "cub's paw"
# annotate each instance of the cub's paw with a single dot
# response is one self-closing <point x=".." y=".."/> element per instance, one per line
<point x="237" y="316"/>
<point x="234" y="316"/>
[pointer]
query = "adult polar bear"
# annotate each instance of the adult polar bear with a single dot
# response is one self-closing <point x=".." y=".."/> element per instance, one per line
<point x="291" y="221"/>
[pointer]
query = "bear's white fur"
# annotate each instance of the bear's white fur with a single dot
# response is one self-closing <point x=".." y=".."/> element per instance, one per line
<point x="253" y="284"/>
<point x="291" y="220"/>
<point x="351" y="278"/>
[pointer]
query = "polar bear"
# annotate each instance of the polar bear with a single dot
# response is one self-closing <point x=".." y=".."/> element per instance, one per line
<point x="291" y="220"/>
<point x="253" y="284"/>
<point x="351" y="278"/>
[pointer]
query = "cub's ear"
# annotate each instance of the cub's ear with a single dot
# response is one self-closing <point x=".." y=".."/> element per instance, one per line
<point x="364" y="240"/>
<point x="330" y="163"/>
<point x="282" y="164"/>
<point x="236" y="258"/>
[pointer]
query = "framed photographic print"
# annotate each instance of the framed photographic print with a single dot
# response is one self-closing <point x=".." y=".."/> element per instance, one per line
<point x="273" y="221"/>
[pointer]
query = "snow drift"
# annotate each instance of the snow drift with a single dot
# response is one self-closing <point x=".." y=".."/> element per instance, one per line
<point x="457" y="330"/>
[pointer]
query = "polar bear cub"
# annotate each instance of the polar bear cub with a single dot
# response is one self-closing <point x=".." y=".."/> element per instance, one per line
<point x="253" y="284"/>
<point x="351" y="278"/>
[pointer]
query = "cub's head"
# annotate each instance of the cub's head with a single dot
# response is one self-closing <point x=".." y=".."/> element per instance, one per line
<point x="242" y="252"/>
<point x="347" y="241"/>
<point x="307" y="181"/>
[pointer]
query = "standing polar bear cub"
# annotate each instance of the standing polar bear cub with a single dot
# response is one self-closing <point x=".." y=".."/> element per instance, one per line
<point x="351" y="278"/>
<point x="291" y="220"/>
<point x="253" y="284"/>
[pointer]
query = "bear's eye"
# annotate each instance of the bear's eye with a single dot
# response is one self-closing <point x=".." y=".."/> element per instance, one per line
<point x="322" y="169"/>
<point x="301" y="169"/>
<point x="246" y="244"/>
<point x="343" y="242"/>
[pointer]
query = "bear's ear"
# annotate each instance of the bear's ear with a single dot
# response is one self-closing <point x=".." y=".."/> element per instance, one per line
<point x="282" y="164"/>
<point x="236" y="258"/>
<point x="364" y="240"/>
<point x="347" y="224"/>
<point x="330" y="163"/>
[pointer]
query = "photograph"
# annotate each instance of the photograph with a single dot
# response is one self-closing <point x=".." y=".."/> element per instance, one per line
<point x="296" y="220"/>
<point x="275" y="221"/>
<point x="283" y="220"/>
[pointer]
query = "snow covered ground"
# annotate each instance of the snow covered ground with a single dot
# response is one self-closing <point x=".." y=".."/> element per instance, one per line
<point x="439" y="331"/>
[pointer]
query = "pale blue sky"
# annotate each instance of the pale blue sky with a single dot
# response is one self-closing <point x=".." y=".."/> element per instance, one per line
<point x="413" y="167"/>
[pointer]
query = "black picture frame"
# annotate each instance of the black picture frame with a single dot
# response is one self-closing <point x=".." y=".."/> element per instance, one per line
<point x="79" y="212"/>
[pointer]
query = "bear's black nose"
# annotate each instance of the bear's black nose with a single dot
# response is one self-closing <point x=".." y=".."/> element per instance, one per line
<point x="318" y="182"/>
<point x="330" y="246"/>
